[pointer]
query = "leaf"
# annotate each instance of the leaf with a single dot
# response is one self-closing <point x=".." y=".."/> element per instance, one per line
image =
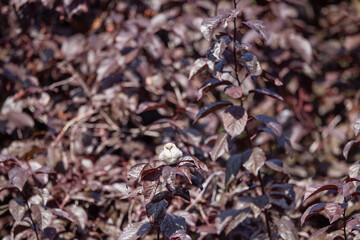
<point x="172" y="224"/>
<point x="199" y="65"/>
<point x="302" y="46"/>
<point x="221" y="146"/>
<point x="180" y="236"/>
<point x="210" y="84"/>
<point x="208" y="25"/>
<point x="169" y="175"/>
<point x="149" y="106"/>
<point x="312" y="210"/>
<point x="315" y="189"/>
<point x="134" y="231"/>
<point x="268" y="92"/>
<point x="186" y="172"/>
<point x="18" y="177"/>
<point x="209" y="108"/>
<point x="251" y="64"/>
<point x="234" y="119"/>
<point x="255" y="161"/>
<point x="45" y="170"/>
<point x="276" y="165"/>
<point x="41" y="215"/>
<point x="234" y="164"/>
<point x="349" y="146"/>
<point x="156" y="211"/>
<point x="192" y="159"/>
<point x="233" y="91"/>
<point x="334" y="211"/>
<point x="6" y="159"/>
<point x="181" y="192"/>
<point x="151" y="167"/>
<point x="286" y="229"/>
<point x="50" y="233"/>
<point x="271" y="123"/>
<point x="135" y="171"/>
<point x="17" y="209"/>
<point x="230" y="219"/>
<point x="78" y="214"/>
<point x="259" y="27"/>
<point x="20" y="119"/>
<point x="357" y="125"/>
<point x="150" y="184"/>
<point x="61" y="213"/>
<point x="271" y="78"/>
<point x="319" y="232"/>
<point x="354" y="169"/>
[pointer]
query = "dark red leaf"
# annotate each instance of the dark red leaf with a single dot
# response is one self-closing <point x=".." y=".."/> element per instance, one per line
<point x="149" y="106"/>
<point x="349" y="146"/>
<point x="150" y="184"/>
<point x="312" y="210"/>
<point x="172" y="224"/>
<point x="334" y="211"/>
<point x="18" y="177"/>
<point x="156" y="211"/>
<point x="268" y="92"/>
<point x="315" y="189"/>
<point x="135" y="171"/>
<point x="234" y="119"/>
<point x="186" y="172"/>
<point x="209" y="108"/>
<point x="152" y="166"/>
<point x="210" y="84"/>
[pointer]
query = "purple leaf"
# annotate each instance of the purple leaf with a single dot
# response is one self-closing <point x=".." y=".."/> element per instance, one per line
<point x="199" y="65"/>
<point x="152" y="166"/>
<point x="234" y="119"/>
<point x="334" y="211"/>
<point x="209" y="108"/>
<point x="18" y="177"/>
<point x="210" y="84"/>
<point x="349" y="146"/>
<point x="134" y="231"/>
<point x="259" y="27"/>
<point x="233" y="91"/>
<point x="315" y="189"/>
<point x="271" y="123"/>
<point x="271" y="78"/>
<point x="135" y="171"/>
<point x="301" y="46"/>
<point x="221" y="146"/>
<point x="150" y="184"/>
<point x="208" y="25"/>
<point x="172" y="224"/>
<point x="156" y="211"/>
<point x="268" y="92"/>
<point x="312" y="210"/>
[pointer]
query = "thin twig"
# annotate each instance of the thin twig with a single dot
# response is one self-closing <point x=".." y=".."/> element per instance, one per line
<point x="69" y="124"/>
<point x="199" y="196"/>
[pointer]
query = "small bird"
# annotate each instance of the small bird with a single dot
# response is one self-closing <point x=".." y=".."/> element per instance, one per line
<point x="170" y="154"/>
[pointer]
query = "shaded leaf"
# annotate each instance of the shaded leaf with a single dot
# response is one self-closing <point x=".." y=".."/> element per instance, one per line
<point x="172" y="224"/>
<point x="312" y="210"/>
<point x="210" y="84"/>
<point x="230" y="219"/>
<point x="149" y="106"/>
<point x="181" y="192"/>
<point x="192" y="159"/>
<point x="234" y="164"/>
<point x="134" y="231"/>
<point x="315" y="189"/>
<point x="152" y="166"/>
<point x="271" y="78"/>
<point x="150" y="184"/>
<point x="186" y="172"/>
<point x="271" y="123"/>
<point x="319" y="232"/>
<point x="221" y="146"/>
<point x="169" y="175"/>
<point x="18" y="177"/>
<point x="276" y="165"/>
<point x="234" y="119"/>
<point x="156" y="211"/>
<point x="209" y="108"/>
<point x="268" y="92"/>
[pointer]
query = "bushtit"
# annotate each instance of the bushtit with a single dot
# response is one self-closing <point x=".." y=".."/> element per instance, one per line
<point x="170" y="154"/>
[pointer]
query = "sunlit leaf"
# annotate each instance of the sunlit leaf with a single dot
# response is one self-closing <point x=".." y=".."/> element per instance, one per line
<point x="315" y="189"/>
<point x="234" y="119"/>
<point x="208" y="25"/>
<point x="311" y="211"/>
